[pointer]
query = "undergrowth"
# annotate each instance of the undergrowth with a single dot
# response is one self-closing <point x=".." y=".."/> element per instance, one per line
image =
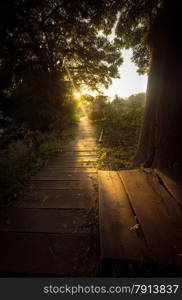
<point x="23" y="158"/>
<point x="120" y="121"/>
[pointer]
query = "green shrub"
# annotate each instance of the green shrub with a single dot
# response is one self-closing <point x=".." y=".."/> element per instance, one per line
<point x="121" y="123"/>
<point x="15" y="164"/>
<point x="23" y="158"/>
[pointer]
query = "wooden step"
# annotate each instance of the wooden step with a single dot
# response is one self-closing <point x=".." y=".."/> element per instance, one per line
<point x="45" y="198"/>
<point x="66" y="170"/>
<point x="72" y="164"/>
<point x="48" y="254"/>
<point x="66" y="184"/>
<point x="46" y="220"/>
<point x="64" y="176"/>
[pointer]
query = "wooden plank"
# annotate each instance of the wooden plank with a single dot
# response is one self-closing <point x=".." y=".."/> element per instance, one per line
<point x="76" y="169"/>
<point x="118" y="242"/>
<point x="72" y="164"/>
<point x="163" y="236"/>
<point x="173" y="186"/>
<point x="81" y="147"/>
<point x="79" y="152"/>
<point x="72" y="159"/>
<point x="53" y="186"/>
<point x="64" y="176"/>
<point x="84" y="139"/>
<point x="59" y="171"/>
<point x="173" y="210"/>
<point x="79" y="141"/>
<point x="59" y="184"/>
<point x="42" y="253"/>
<point x="78" y="156"/>
<point x="46" y="220"/>
<point x="46" y="198"/>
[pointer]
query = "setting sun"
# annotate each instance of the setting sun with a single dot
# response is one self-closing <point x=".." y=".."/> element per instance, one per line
<point x="77" y="95"/>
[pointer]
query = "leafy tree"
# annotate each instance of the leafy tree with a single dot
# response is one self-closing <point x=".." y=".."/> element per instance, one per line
<point x="133" y="21"/>
<point x="133" y="29"/>
<point x="45" y="44"/>
<point x="45" y="36"/>
<point x="151" y="28"/>
<point x="160" y="142"/>
<point x="86" y="98"/>
<point x="137" y="99"/>
<point x="50" y="34"/>
<point x="98" y="107"/>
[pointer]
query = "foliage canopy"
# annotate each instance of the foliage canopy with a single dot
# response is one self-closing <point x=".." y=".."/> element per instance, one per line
<point x="133" y="21"/>
<point x="45" y="35"/>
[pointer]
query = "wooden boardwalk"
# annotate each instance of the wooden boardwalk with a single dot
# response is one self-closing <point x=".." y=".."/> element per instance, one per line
<point x="53" y="229"/>
<point x="141" y="219"/>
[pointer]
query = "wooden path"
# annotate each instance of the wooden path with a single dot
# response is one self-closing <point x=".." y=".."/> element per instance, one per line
<point x="141" y="220"/>
<point x="53" y="229"/>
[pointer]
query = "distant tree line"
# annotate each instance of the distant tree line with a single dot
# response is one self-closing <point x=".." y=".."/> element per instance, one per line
<point x="118" y="110"/>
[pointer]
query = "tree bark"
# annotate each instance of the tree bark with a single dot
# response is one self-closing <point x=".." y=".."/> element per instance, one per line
<point x="160" y="143"/>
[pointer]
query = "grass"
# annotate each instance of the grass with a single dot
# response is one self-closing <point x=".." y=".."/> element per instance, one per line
<point x="120" y="120"/>
<point x="23" y="158"/>
<point x="119" y="143"/>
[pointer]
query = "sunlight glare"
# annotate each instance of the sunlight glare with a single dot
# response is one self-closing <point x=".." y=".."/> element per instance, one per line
<point x="77" y="95"/>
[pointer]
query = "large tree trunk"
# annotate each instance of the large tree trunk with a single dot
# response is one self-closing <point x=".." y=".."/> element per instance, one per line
<point x="160" y="142"/>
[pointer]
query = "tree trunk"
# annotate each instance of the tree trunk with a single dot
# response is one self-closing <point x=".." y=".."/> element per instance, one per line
<point x="160" y="143"/>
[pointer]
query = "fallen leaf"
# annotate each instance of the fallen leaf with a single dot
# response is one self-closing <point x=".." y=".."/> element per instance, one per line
<point x="134" y="227"/>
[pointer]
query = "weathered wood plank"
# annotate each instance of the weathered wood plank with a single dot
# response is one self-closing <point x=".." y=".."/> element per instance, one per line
<point x="46" y="198"/>
<point x="162" y="235"/>
<point x="173" y="210"/>
<point x="79" y="152"/>
<point x="118" y="242"/>
<point x="65" y="176"/>
<point x="173" y="186"/>
<point x="72" y="156"/>
<point x="45" y="220"/>
<point x="81" y="148"/>
<point x="60" y="184"/>
<point x="84" y="139"/>
<point x="72" y="164"/>
<point x="72" y="159"/>
<point x="44" y="253"/>
<point x="59" y="171"/>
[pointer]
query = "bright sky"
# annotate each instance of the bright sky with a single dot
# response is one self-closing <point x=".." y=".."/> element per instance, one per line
<point x="130" y="82"/>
